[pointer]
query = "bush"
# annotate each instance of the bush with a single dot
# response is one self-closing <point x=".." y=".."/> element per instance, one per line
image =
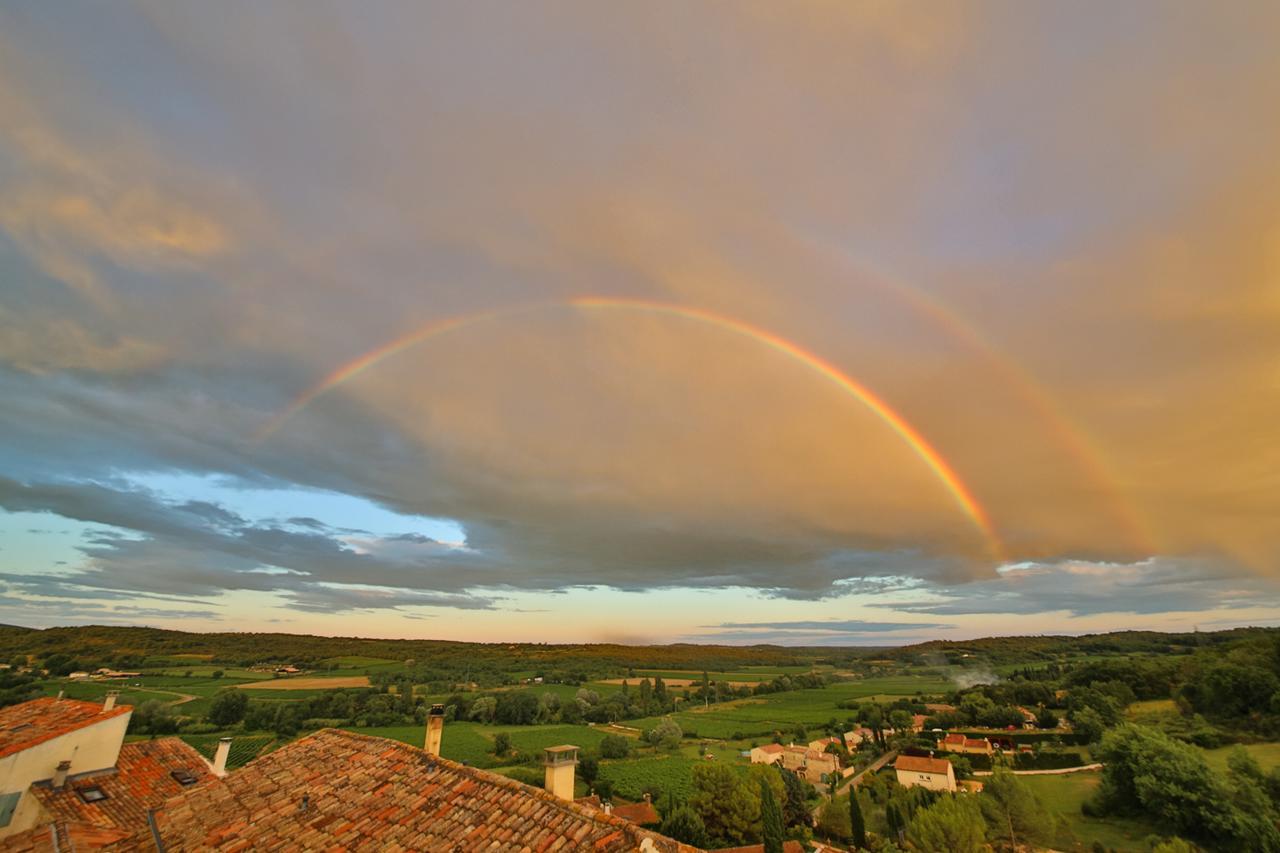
<point x="615" y="746"/>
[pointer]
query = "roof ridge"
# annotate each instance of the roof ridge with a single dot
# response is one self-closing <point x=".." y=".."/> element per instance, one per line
<point x="477" y="773"/>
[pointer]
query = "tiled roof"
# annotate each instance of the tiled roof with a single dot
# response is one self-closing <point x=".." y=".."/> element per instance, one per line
<point x="142" y="779"/>
<point x="336" y="790"/>
<point x="639" y="813"/>
<point x="919" y="764"/>
<point x="771" y="748"/>
<point x="30" y="723"/>
<point x="954" y="739"/>
<point x="63" y="837"/>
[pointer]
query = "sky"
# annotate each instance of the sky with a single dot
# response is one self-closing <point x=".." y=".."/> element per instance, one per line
<point x="831" y="323"/>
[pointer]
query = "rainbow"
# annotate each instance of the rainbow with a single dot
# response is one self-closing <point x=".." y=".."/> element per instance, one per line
<point x="1027" y="389"/>
<point x="927" y="453"/>
<point x="937" y="464"/>
<point x="374" y="356"/>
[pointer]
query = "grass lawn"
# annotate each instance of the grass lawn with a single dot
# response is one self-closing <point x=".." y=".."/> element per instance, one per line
<point x="1266" y="754"/>
<point x="1063" y="796"/>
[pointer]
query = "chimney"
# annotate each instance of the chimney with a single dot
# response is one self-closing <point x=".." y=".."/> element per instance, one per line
<point x="560" y="761"/>
<point x="435" y="729"/>
<point x="60" y="775"/>
<point x="61" y="693"/>
<point x="110" y="701"/>
<point x="607" y="806"/>
<point x="648" y="798"/>
<point x="220" y="757"/>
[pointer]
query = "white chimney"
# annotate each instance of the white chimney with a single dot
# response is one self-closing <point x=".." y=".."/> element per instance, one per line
<point x="435" y="729"/>
<point x="60" y="775"/>
<point x="61" y="693"/>
<point x="110" y="701"/>
<point x="220" y="757"/>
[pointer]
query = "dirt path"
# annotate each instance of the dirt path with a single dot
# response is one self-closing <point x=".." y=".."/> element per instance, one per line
<point x="1061" y="771"/>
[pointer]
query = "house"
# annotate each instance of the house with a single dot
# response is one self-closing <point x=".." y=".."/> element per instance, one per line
<point x="856" y="737"/>
<point x="956" y="742"/>
<point x="809" y="763"/>
<point x="770" y="753"/>
<point x="917" y="722"/>
<point x="821" y="744"/>
<point x="820" y="766"/>
<point x="936" y="774"/>
<point x="641" y="814"/>
<point x="337" y="790"/>
<point x="51" y="741"/>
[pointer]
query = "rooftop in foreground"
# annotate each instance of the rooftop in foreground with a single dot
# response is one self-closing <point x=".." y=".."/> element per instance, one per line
<point x="30" y="723"/>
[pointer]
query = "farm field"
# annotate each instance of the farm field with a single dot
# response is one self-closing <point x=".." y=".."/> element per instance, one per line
<point x="1063" y="795"/>
<point x="760" y="716"/>
<point x="308" y="683"/>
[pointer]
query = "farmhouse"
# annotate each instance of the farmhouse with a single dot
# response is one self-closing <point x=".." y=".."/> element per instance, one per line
<point x="957" y="742"/>
<point x="813" y="765"/>
<point x="936" y="774"/>
<point x="770" y="753"/>
<point x="858" y="736"/>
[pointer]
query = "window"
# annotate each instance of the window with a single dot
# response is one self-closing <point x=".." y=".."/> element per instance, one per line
<point x="8" y="803"/>
<point x="183" y="777"/>
<point x="91" y="793"/>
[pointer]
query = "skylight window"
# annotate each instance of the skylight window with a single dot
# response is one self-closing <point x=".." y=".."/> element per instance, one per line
<point x="91" y="794"/>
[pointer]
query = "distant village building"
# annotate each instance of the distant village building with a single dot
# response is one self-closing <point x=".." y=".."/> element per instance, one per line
<point x="936" y="774"/>
<point x="770" y="753"/>
<point x="956" y="742"/>
<point x="853" y="739"/>
<point x="811" y="764"/>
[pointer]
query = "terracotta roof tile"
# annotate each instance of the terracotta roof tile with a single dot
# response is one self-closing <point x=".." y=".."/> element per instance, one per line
<point x="339" y="790"/>
<point x="30" y="723"/>
<point x="919" y="764"/>
<point x="142" y="779"/>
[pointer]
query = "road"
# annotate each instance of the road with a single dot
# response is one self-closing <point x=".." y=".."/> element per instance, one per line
<point x="853" y="780"/>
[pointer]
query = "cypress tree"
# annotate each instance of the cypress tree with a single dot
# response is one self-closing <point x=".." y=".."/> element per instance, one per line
<point x="771" y="816"/>
<point x="856" y="824"/>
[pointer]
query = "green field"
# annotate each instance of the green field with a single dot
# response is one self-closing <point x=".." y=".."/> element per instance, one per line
<point x="760" y="716"/>
<point x="1266" y="754"/>
<point x="1063" y="796"/>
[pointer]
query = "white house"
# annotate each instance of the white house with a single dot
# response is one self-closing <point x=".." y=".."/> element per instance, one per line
<point x="936" y="774"/>
<point x="50" y="740"/>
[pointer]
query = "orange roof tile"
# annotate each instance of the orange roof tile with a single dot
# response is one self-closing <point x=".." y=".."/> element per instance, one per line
<point x="337" y="790"/>
<point x="142" y="779"/>
<point x="640" y="813"/>
<point x="29" y="723"/>
<point x="770" y="748"/>
<point x="919" y="764"/>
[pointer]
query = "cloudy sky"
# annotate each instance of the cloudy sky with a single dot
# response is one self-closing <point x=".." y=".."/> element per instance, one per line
<point x="804" y="323"/>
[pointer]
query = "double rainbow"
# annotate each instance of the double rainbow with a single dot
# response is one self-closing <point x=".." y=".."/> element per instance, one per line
<point x="927" y="453"/>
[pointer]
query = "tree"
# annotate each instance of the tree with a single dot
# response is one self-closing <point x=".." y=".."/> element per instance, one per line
<point x="1146" y="771"/>
<point x="729" y="808"/>
<point x="665" y="735"/>
<point x="1089" y="724"/>
<point x="684" y="824"/>
<point x="227" y="708"/>
<point x="1046" y="719"/>
<point x="588" y="768"/>
<point x="501" y="743"/>
<point x="795" y="806"/>
<point x="951" y="825"/>
<point x="857" y="826"/>
<point x="483" y="708"/>
<point x="516" y="709"/>
<point x="1013" y="811"/>
<point x="770" y="819"/>
<point x="615" y="746"/>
